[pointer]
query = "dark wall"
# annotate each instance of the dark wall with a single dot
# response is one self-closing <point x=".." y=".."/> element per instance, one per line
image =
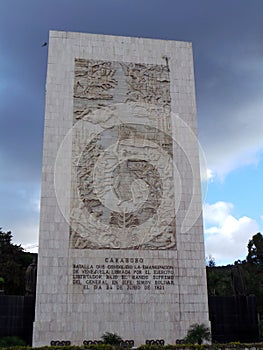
<point x="234" y="318"/>
<point x="17" y="316"/>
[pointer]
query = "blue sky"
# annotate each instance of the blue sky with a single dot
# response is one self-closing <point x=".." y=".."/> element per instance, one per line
<point x="228" y="49"/>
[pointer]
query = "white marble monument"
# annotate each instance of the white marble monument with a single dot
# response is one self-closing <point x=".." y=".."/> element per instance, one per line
<point x="121" y="236"/>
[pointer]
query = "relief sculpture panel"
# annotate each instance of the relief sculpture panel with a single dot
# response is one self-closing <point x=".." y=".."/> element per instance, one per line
<point x="122" y="193"/>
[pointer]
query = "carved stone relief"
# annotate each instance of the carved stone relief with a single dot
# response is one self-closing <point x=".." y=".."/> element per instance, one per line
<point x="148" y="83"/>
<point x="94" y="80"/>
<point x="122" y="172"/>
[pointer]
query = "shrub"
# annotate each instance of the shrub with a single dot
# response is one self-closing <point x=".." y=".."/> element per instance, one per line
<point x="111" y="338"/>
<point x="197" y="333"/>
<point x="7" y="342"/>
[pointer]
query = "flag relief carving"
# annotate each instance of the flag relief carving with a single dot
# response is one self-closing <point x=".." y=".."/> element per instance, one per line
<point x="122" y="194"/>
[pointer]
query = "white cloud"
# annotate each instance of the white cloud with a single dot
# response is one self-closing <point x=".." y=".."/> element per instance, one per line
<point x="237" y="139"/>
<point x="26" y="233"/>
<point x="217" y="213"/>
<point x="227" y="236"/>
<point x="32" y="248"/>
<point x="228" y="162"/>
<point x="210" y="174"/>
<point x="207" y="175"/>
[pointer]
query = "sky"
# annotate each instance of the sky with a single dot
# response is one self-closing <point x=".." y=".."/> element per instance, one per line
<point x="228" y="51"/>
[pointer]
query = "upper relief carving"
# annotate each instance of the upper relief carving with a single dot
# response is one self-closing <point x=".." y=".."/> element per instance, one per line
<point x="94" y="79"/>
<point x="148" y="84"/>
<point x="93" y="88"/>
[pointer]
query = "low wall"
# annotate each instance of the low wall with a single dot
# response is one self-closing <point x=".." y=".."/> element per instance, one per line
<point x="17" y="316"/>
<point x="232" y="346"/>
<point x="234" y="319"/>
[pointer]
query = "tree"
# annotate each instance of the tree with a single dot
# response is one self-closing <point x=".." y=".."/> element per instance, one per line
<point x="111" y="338"/>
<point x="197" y="333"/>
<point x="210" y="261"/>
<point x="219" y="280"/>
<point x="255" y="249"/>
<point x="1" y="284"/>
<point x="13" y="264"/>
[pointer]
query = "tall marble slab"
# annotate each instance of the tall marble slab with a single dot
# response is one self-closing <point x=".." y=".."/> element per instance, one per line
<point x="121" y="237"/>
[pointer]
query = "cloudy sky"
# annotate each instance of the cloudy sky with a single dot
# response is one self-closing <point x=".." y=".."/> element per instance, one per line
<point x="228" y="55"/>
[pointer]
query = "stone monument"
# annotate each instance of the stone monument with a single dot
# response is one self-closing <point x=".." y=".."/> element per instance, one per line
<point x="121" y="236"/>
